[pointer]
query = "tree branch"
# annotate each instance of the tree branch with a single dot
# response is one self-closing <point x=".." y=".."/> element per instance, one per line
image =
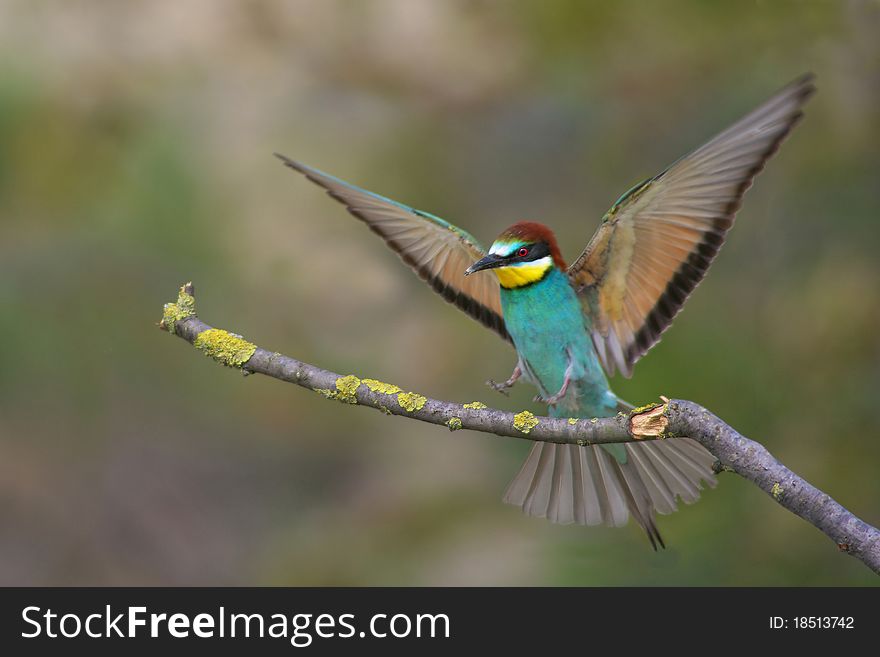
<point x="671" y="418"/>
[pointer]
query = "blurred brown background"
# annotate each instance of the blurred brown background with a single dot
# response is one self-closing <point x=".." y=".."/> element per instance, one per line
<point x="135" y="154"/>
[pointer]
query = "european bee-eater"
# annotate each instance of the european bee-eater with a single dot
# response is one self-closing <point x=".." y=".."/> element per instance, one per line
<point x="573" y="326"/>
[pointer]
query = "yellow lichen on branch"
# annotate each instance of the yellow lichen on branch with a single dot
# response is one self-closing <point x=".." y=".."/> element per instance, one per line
<point x="225" y="347"/>
<point x="183" y="308"/>
<point x="381" y="387"/>
<point x="525" y="421"/>
<point x="346" y="387"/>
<point x="411" y="401"/>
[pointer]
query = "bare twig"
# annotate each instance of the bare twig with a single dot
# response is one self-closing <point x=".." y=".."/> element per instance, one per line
<point x="658" y="421"/>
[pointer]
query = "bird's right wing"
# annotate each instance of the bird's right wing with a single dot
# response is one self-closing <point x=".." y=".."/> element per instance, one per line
<point x="435" y="249"/>
<point x="657" y="241"/>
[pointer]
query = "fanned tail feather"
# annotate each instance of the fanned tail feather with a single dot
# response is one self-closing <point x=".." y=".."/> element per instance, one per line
<point x="586" y="485"/>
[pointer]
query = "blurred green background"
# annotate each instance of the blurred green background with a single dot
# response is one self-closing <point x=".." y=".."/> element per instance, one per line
<point x="135" y="155"/>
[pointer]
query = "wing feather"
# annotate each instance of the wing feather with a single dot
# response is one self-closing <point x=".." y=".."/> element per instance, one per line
<point x="435" y="249"/>
<point x="657" y="241"/>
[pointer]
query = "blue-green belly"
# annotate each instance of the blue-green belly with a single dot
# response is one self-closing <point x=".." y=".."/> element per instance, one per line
<point x="549" y="330"/>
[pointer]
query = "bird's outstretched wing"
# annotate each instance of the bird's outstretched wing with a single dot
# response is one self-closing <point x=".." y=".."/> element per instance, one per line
<point x="435" y="249"/>
<point x="657" y="241"/>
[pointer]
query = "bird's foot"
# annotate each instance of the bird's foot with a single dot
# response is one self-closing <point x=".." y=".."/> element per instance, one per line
<point x="500" y="387"/>
<point x="552" y="401"/>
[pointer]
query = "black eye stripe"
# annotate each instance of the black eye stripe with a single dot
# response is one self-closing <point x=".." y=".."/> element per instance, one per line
<point x="536" y="252"/>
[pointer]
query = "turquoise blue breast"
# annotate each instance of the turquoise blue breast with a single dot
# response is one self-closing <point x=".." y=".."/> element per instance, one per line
<point x="549" y="330"/>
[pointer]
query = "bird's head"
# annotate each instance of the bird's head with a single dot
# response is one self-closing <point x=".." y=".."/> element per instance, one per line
<point x="522" y="255"/>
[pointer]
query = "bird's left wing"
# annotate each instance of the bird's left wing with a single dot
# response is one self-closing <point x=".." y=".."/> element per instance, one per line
<point x="657" y="241"/>
<point x="435" y="249"/>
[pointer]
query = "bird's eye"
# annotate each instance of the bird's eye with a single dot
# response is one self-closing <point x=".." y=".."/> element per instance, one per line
<point x="523" y="252"/>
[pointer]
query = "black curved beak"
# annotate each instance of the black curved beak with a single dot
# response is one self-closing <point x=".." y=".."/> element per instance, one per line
<point x="489" y="262"/>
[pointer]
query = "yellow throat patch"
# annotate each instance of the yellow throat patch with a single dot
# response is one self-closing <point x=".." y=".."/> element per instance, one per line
<point x="523" y="274"/>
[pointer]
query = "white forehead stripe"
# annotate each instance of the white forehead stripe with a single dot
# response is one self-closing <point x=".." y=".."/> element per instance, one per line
<point x="504" y="249"/>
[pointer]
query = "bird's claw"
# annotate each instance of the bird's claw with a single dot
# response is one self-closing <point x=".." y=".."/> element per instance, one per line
<point x="499" y="387"/>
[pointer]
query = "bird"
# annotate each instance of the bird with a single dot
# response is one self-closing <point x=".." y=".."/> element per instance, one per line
<point x="574" y="326"/>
